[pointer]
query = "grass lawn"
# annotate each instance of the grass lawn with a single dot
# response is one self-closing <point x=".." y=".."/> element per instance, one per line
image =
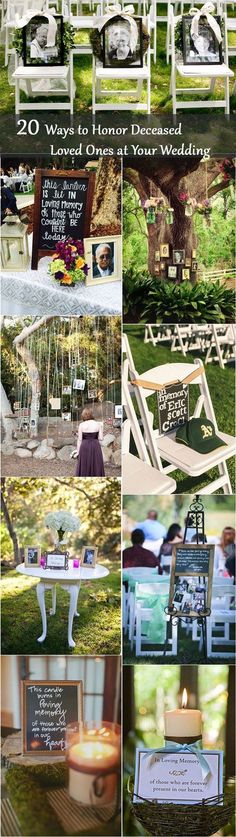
<point x="160" y="80"/>
<point x="221" y="385"/>
<point x="188" y="653"/>
<point x="96" y="631"/>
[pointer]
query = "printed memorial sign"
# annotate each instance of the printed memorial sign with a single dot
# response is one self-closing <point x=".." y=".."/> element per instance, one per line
<point x="173" y="407"/>
<point x="47" y="708"/>
<point x="177" y="776"/>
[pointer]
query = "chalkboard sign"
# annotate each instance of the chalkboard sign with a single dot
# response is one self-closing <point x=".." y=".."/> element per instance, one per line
<point x="173" y="407"/>
<point x="62" y="209"/>
<point x="191" y="578"/>
<point x="47" y="708"/>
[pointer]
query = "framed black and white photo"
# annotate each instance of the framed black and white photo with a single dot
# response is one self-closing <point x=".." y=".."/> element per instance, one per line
<point x="79" y="383"/>
<point x="89" y="556"/>
<point x="179" y="256"/>
<point x="35" y="36"/>
<point x="57" y="560"/>
<point x="103" y="257"/>
<point x="172" y="271"/>
<point x="123" y="42"/>
<point x="32" y="556"/>
<point x="194" y="265"/>
<point x="203" y="47"/>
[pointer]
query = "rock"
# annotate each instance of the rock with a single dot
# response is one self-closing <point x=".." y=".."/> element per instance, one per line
<point x="117" y="443"/>
<point x="48" y="442"/>
<point x="108" y="439"/>
<point x="106" y="455"/>
<point x="7" y="449"/>
<point x="23" y="453"/>
<point x="65" y="452"/>
<point x="116" y="457"/>
<point x="20" y="443"/>
<point x="44" y="452"/>
<point x="33" y="444"/>
<point x="64" y="442"/>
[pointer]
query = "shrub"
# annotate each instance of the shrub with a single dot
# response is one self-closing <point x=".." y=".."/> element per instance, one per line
<point x="166" y="302"/>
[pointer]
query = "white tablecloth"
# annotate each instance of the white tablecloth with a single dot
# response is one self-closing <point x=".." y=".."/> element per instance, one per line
<point x="35" y="292"/>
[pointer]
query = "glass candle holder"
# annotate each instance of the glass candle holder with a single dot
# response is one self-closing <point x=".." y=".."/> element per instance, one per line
<point x="43" y="561"/>
<point x="93" y="757"/>
<point x="76" y="563"/>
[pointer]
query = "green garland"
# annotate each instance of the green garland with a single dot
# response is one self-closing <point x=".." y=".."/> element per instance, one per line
<point x="96" y="40"/>
<point x="68" y="41"/>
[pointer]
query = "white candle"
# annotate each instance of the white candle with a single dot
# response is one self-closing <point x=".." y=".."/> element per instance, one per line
<point x="183" y="723"/>
<point x="89" y="761"/>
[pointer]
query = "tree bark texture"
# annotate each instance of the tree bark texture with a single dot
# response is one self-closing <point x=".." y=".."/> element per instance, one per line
<point x="106" y="208"/>
<point x="10" y="527"/>
<point x="33" y="371"/>
<point x="7" y="417"/>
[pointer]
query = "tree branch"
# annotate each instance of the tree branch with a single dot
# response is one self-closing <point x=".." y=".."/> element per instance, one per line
<point x="10" y="527"/>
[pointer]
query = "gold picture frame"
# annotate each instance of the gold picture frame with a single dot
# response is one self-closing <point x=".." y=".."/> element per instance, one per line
<point x="164" y="251"/>
<point x="32" y="556"/>
<point x="89" y="556"/>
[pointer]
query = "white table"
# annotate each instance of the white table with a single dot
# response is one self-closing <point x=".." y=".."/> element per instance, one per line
<point x="36" y="292"/>
<point x="70" y="580"/>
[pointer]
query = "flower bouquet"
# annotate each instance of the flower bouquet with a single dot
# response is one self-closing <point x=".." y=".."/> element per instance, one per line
<point x="62" y="522"/>
<point x="68" y="265"/>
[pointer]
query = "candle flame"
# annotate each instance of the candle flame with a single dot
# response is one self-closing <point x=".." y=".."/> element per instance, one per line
<point x="184" y="699"/>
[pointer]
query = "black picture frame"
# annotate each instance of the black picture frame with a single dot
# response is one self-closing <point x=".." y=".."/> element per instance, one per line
<point x="179" y="256"/>
<point x="109" y="55"/>
<point x="29" y="32"/>
<point x="213" y="55"/>
<point x="53" y="564"/>
<point x="194" y="265"/>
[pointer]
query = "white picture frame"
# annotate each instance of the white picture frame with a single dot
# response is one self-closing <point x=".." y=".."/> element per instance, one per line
<point x="111" y="244"/>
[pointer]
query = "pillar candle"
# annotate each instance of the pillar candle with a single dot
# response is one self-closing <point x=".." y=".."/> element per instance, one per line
<point x="93" y="761"/>
<point x="183" y="725"/>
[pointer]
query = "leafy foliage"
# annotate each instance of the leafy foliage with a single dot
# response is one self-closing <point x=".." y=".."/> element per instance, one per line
<point x="205" y="302"/>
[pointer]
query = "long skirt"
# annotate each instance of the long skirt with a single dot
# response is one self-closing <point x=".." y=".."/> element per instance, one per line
<point x="90" y="459"/>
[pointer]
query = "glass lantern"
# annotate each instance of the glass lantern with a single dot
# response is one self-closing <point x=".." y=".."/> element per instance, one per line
<point x="151" y="215"/>
<point x="14" y="251"/>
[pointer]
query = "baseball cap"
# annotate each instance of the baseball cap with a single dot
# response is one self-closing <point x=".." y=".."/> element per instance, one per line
<point x="199" y="434"/>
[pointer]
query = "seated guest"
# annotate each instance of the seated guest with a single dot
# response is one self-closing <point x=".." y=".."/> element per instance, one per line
<point x="153" y="531"/>
<point x="137" y="556"/>
<point x="230" y="560"/>
<point x="8" y="203"/>
<point x="174" y="535"/>
<point x="221" y="545"/>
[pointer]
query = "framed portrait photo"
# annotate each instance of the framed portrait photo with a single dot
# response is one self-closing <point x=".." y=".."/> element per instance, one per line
<point x="89" y="556"/>
<point x="123" y="42"/>
<point x="203" y="47"/>
<point x="157" y="255"/>
<point x="188" y="262"/>
<point x="32" y="556"/>
<point x="194" y="254"/>
<point x="194" y="265"/>
<point x="172" y="271"/>
<point x="179" y="256"/>
<point x="186" y="273"/>
<point x="164" y="251"/>
<point x="103" y="257"/>
<point x="35" y="49"/>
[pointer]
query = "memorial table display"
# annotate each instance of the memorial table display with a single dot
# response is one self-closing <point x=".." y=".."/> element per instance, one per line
<point x="63" y="204"/>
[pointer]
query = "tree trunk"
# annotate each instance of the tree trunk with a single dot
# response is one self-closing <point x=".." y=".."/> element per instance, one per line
<point x="106" y="209"/>
<point x="7" y="417"/>
<point x="33" y="371"/>
<point x="10" y="526"/>
<point x="230" y="725"/>
<point x="189" y="681"/>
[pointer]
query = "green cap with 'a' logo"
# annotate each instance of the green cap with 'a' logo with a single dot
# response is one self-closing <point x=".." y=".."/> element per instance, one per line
<point x="199" y="434"/>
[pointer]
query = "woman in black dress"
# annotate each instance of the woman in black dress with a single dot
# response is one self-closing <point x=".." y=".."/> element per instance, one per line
<point x="90" y="458"/>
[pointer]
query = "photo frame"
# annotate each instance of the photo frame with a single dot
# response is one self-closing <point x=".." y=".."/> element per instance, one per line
<point x="172" y="271"/>
<point x="191" y="578"/>
<point x="194" y="254"/>
<point x="179" y="257"/>
<point x="66" y="416"/>
<point x="107" y="251"/>
<point x="32" y="556"/>
<point x="203" y="48"/>
<point x="194" y="265"/>
<point x="35" y="50"/>
<point x="157" y="255"/>
<point x="79" y="384"/>
<point x="186" y="273"/>
<point x="121" y="46"/>
<point x="48" y="737"/>
<point x="162" y="266"/>
<point x="188" y="262"/>
<point x="89" y="556"/>
<point x="56" y="560"/>
<point x="164" y="251"/>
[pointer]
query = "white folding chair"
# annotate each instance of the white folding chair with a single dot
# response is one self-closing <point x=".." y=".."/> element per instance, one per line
<point x="144" y="614"/>
<point x="139" y="476"/>
<point x="199" y="72"/>
<point x="222" y="616"/>
<point x="164" y="448"/>
<point x="222" y="345"/>
<point x="140" y="76"/>
<point x="157" y="334"/>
